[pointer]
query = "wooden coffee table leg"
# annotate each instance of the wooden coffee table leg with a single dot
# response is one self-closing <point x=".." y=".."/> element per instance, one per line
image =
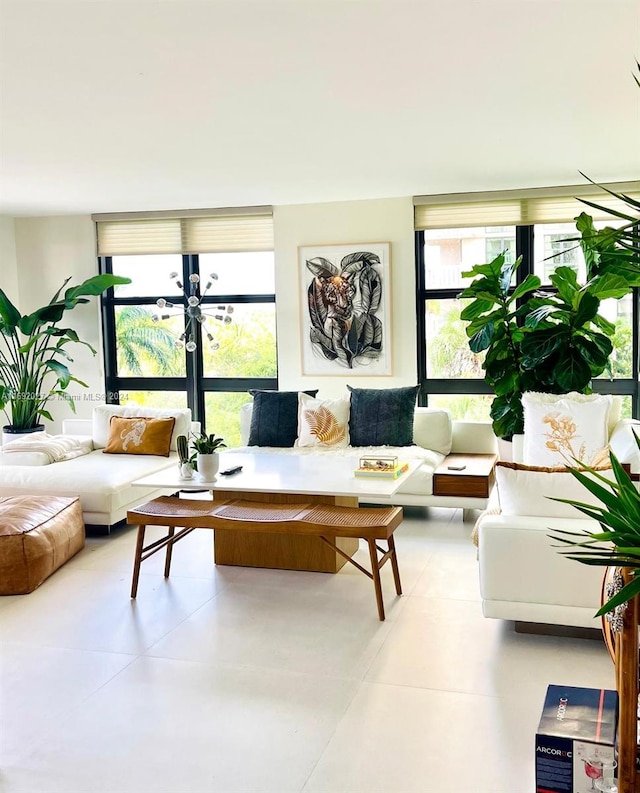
<point x="167" y="560"/>
<point x="394" y="565"/>
<point x="137" y="560"/>
<point x="375" y="574"/>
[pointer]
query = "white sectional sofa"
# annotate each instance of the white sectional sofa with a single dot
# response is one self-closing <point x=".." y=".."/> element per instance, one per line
<point x="523" y="575"/>
<point x="435" y="436"/>
<point x="102" y="481"/>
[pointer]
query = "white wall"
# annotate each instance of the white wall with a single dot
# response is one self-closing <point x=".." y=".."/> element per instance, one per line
<point x="9" y="268"/>
<point x="50" y="249"/>
<point x="384" y="220"/>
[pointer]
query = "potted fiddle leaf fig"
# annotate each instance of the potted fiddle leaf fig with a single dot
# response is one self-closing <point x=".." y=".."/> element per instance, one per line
<point x="550" y="342"/>
<point x="33" y="354"/>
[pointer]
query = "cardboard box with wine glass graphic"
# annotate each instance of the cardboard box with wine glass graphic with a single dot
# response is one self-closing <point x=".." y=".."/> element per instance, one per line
<point x="576" y="740"/>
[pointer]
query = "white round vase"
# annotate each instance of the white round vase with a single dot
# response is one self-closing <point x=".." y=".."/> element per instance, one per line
<point x="208" y="466"/>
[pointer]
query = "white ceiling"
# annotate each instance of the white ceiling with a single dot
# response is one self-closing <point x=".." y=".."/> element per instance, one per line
<point x="123" y="105"/>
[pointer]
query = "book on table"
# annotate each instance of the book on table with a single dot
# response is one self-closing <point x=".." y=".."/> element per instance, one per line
<point x="382" y="473"/>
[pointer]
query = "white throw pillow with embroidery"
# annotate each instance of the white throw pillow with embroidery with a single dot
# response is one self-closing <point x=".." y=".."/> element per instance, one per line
<point x="323" y="422"/>
<point x="561" y="427"/>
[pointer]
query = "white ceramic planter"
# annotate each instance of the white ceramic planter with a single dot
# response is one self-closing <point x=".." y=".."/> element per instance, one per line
<point x="208" y="465"/>
<point x="9" y="433"/>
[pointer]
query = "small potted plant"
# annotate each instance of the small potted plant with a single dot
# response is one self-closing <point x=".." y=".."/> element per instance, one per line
<point x="207" y="459"/>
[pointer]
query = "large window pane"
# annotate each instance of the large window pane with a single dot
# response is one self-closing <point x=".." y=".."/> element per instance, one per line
<point x="472" y="407"/>
<point x="620" y="312"/>
<point x="145" y="347"/>
<point x="154" y="399"/>
<point x="222" y="415"/>
<point x="247" y="345"/>
<point x="558" y="245"/>
<point x="150" y="275"/>
<point x="239" y="273"/>
<point x="450" y="252"/>
<point x="448" y="353"/>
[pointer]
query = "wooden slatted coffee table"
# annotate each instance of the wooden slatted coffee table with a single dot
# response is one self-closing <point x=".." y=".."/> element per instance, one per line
<point x="284" y="479"/>
<point x="326" y="522"/>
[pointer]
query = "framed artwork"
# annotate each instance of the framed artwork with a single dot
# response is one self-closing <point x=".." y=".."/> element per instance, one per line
<point x="345" y="309"/>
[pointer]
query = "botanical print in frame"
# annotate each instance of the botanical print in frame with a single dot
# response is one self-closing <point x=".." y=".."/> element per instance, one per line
<point x="345" y="309"/>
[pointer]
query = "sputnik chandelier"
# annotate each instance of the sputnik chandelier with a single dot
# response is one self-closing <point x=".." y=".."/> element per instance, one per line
<point x="194" y="312"/>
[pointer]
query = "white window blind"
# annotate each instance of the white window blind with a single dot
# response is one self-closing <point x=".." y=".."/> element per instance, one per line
<point x="518" y="207"/>
<point x="199" y="231"/>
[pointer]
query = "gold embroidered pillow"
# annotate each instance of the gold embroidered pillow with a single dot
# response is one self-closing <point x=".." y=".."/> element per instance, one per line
<point x="323" y="422"/>
<point x="561" y="427"/>
<point x="139" y="435"/>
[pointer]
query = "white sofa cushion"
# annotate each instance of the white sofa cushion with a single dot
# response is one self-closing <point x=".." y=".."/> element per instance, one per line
<point x="561" y="427"/>
<point x="529" y="490"/>
<point x="432" y="429"/>
<point x="102" y="482"/>
<point x="102" y="416"/>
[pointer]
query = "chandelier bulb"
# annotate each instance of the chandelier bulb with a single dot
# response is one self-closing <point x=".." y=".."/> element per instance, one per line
<point x="178" y="344"/>
<point x="161" y="302"/>
<point x="194" y="278"/>
<point x="227" y="320"/>
<point x="174" y="274"/>
<point x="191" y="346"/>
<point x="213" y="276"/>
<point x="193" y="301"/>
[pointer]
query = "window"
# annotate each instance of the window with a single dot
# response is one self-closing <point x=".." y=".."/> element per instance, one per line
<point x="146" y="358"/>
<point x="534" y="224"/>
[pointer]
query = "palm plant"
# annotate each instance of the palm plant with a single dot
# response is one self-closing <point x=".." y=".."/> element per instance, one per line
<point x="618" y="542"/>
<point x="33" y="355"/>
<point x="142" y="340"/>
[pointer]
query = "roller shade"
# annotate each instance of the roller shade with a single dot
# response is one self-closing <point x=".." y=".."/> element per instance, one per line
<point x="203" y="231"/>
<point x="517" y="207"/>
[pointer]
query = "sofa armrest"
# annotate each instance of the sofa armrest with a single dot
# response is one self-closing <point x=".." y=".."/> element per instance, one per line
<point x="623" y="443"/>
<point x="473" y="437"/>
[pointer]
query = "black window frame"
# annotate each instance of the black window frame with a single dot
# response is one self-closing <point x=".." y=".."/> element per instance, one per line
<point x="194" y="383"/>
<point x="524" y="247"/>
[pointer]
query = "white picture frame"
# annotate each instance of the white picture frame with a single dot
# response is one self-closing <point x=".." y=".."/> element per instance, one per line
<point x="345" y="309"/>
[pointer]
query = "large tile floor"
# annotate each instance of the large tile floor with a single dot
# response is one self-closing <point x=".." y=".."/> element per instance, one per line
<point x="234" y="679"/>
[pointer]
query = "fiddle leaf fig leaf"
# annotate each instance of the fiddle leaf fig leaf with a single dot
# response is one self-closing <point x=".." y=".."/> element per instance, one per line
<point x="530" y="284"/>
<point x="586" y="309"/>
<point x="482" y="339"/>
<point x="476" y="308"/>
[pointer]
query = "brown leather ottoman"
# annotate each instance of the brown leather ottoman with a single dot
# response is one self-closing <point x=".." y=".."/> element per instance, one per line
<point x="37" y="536"/>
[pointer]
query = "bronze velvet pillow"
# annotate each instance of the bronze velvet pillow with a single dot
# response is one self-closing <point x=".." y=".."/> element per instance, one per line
<point x="382" y="416"/>
<point x="274" y="418"/>
<point x="139" y="435"/>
